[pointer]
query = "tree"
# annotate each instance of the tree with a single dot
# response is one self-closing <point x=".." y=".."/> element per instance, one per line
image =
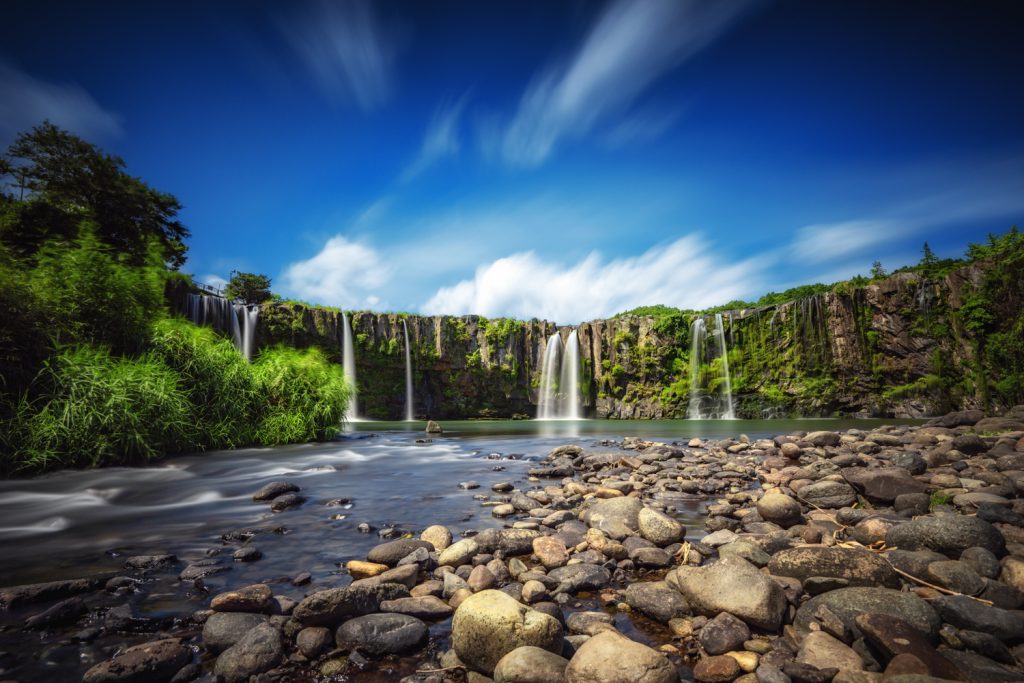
<point x="249" y="288"/>
<point x="928" y="260"/>
<point x="877" y="271"/>
<point x="54" y="180"/>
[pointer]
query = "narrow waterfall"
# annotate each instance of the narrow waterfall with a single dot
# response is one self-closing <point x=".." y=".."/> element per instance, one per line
<point x="236" y="320"/>
<point x="245" y="338"/>
<point x="697" y="333"/>
<point x="408" y="376"/>
<point x="348" y="360"/>
<point x="547" y="403"/>
<point x="569" y="382"/>
<point x="729" y="413"/>
<point x="718" y="403"/>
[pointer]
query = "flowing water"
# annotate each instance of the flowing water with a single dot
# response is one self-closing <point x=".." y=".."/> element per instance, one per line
<point x="348" y="361"/>
<point x="547" y="398"/>
<point x="408" y="376"/>
<point x="80" y="523"/>
<point x="569" y="382"/>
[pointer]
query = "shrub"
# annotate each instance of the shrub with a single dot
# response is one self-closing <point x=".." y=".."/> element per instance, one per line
<point x="302" y="397"/>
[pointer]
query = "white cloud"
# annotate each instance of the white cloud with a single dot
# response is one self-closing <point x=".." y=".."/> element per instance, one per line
<point x="631" y="45"/>
<point x="26" y="101"/>
<point x="683" y="273"/>
<point x="344" y="273"/>
<point x="349" y="52"/>
<point x="441" y="139"/>
<point x="830" y="241"/>
<point x="641" y="127"/>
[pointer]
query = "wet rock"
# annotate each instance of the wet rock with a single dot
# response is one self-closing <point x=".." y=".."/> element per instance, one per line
<point x="314" y="641"/>
<point x="656" y="600"/>
<point x="963" y="612"/>
<point x="382" y="634"/>
<point x="154" y="662"/>
<point x="361" y="570"/>
<point x="847" y="603"/>
<point x="856" y="566"/>
<point x="716" y="669"/>
<point x="618" y="517"/>
<point x="883" y="484"/>
<point x="224" y="629"/>
<point x="659" y="528"/>
<point x="610" y="657"/>
<point x="332" y="606"/>
<point x="426" y="607"/>
<point x="534" y="591"/>
<point x="580" y="577"/>
<point x="723" y="633"/>
<point x="149" y="561"/>
<point x="733" y="585"/>
<point x="249" y="553"/>
<point x="255" y="598"/>
<point x="747" y="550"/>
<point x="805" y="673"/>
<point x="986" y="644"/>
<point x="201" y="569"/>
<point x="288" y="500"/>
<point x="392" y="552"/>
<point x="259" y="650"/>
<point x="892" y="636"/>
<point x="516" y="541"/>
<point x="274" y="489"/>
<point x="404" y="575"/>
<point x="828" y="494"/>
<point x="822" y="651"/>
<point x="551" y="552"/>
<point x="64" y="612"/>
<point x="589" y="623"/>
<point x="947" y="534"/>
<point x="779" y="508"/>
<point x="530" y="664"/>
<point x="481" y="579"/>
<point x="438" y="536"/>
<point x="458" y="553"/>
<point x="433" y="427"/>
<point x="490" y="624"/>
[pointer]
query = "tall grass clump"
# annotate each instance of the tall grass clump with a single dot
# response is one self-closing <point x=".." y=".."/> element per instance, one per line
<point x="302" y="396"/>
<point x="219" y="383"/>
<point x="94" y="408"/>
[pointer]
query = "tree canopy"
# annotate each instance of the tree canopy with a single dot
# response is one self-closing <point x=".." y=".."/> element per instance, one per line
<point x="249" y="288"/>
<point x="53" y="180"/>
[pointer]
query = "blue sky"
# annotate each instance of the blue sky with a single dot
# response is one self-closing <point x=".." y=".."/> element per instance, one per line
<point x="561" y="160"/>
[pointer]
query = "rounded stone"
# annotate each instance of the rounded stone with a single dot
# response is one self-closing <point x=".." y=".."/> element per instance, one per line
<point x="382" y="634"/>
<point x="550" y="551"/>
<point x="458" y="553"/>
<point x="779" y="508"/>
<point x="223" y="629"/>
<point x="610" y="657"/>
<point x="717" y="669"/>
<point x="438" y="536"/>
<point x="529" y="664"/>
<point x="659" y="528"/>
<point x="490" y="624"/>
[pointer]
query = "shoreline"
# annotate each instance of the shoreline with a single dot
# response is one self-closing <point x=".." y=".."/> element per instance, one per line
<point x="592" y="536"/>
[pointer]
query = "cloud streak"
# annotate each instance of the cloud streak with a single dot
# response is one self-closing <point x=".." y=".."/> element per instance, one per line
<point x="440" y="141"/>
<point x="26" y="101"/>
<point x="348" y="51"/>
<point x="630" y="46"/>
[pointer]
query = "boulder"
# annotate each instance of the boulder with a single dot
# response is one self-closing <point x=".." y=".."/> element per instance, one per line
<point x="733" y="585"/>
<point x="828" y="494"/>
<point x="255" y="598"/>
<point x="656" y="600"/>
<point x="847" y="603"/>
<point x="949" y="534"/>
<point x="224" y="629"/>
<point x="392" y="552"/>
<point x="458" y="553"/>
<point x="858" y="567"/>
<point x="155" y="662"/>
<point x="274" y="489"/>
<point x="883" y="484"/>
<point x="891" y="637"/>
<point x="778" y="508"/>
<point x="332" y="606"/>
<point x="382" y="634"/>
<point x="259" y="650"/>
<point x="490" y="624"/>
<point x="723" y="634"/>
<point x="659" y="528"/>
<point x="580" y="577"/>
<point x="615" y="516"/>
<point x="529" y="664"/>
<point x="438" y="536"/>
<point x="610" y="657"/>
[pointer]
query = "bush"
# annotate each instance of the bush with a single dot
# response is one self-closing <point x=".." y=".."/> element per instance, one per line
<point x="96" y="409"/>
<point x="301" y="395"/>
<point x="218" y="381"/>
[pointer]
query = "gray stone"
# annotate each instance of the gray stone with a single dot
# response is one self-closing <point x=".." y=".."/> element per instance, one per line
<point x="858" y="567"/>
<point x="154" y="662"/>
<point x="382" y="634"/>
<point x="426" y="607"/>
<point x="847" y="603"/>
<point x="947" y="534"/>
<point x="580" y="577"/>
<point x="733" y="585"/>
<point x="963" y="612"/>
<point x="659" y="528"/>
<point x="391" y="552"/>
<point x="656" y="600"/>
<point x="779" y="508"/>
<point x="828" y="494"/>
<point x="723" y="634"/>
<point x="224" y="629"/>
<point x="259" y="650"/>
<point x="313" y="641"/>
<point x="334" y="605"/>
<point x="274" y="489"/>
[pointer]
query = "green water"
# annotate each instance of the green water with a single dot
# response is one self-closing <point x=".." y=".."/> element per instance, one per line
<point x="617" y="429"/>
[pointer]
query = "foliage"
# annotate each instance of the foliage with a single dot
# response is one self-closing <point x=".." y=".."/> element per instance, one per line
<point x="97" y="408"/>
<point x="654" y="311"/>
<point x="248" y="288"/>
<point x="62" y="179"/>
<point x="499" y="331"/>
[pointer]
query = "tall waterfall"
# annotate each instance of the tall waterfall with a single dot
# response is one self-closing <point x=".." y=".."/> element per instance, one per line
<point x="569" y="382"/>
<point x="348" y="360"/>
<point x="547" y="403"/>
<point x="408" y="376"/>
<point x="236" y="320"/>
<point x="716" y="404"/>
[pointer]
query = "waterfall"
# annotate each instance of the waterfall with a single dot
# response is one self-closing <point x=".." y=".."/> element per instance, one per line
<point x="348" y="360"/>
<point x="721" y="406"/>
<point x="236" y="320"/>
<point x="569" y="382"/>
<point x="547" y="403"/>
<point x="697" y="333"/>
<point x="408" y="376"/>
<point x="723" y="350"/>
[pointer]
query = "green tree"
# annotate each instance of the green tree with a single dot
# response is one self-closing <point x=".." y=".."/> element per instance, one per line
<point x="928" y="260"/>
<point x="54" y="180"/>
<point x="877" y="271"/>
<point x="249" y="288"/>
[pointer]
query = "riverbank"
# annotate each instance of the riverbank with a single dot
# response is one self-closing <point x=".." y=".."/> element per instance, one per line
<point x="717" y="558"/>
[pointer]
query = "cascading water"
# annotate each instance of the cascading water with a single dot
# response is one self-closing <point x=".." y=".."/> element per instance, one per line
<point x="547" y="402"/>
<point x="720" y="406"/>
<point x="408" y="376"/>
<point x="247" y="335"/>
<point x="569" y="382"/>
<point x="236" y="320"/>
<point x="348" y="360"/>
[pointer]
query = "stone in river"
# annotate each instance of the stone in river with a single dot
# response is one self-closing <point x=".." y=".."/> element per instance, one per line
<point x="858" y="567"/>
<point x="847" y="603"/>
<point x="334" y="605"/>
<point x="149" y="561"/>
<point x="659" y="528"/>
<point x="716" y="669"/>
<point x="255" y="598"/>
<point x="580" y="577"/>
<point x="529" y="664"/>
<point x="963" y="612"/>
<point x="823" y="651"/>
<point x="154" y="662"/>
<point x="223" y="629"/>
<point x="426" y="607"/>
<point x="828" y="494"/>
<point x="392" y="552"/>
<point x="64" y="612"/>
<point x="490" y="624"/>
<point x="550" y="551"/>
<point x="312" y="641"/>
<point x="288" y="500"/>
<point x="382" y="634"/>
<point x="610" y="657"/>
<point x="723" y="633"/>
<point x="733" y="585"/>
<point x="274" y="489"/>
<point x="259" y="650"/>
<point x="438" y="536"/>
<point x="883" y="484"/>
<point x="658" y="601"/>
<point x="458" y="553"/>
<point x="17" y="596"/>
<point x="779" y="508"/>
<point x="949" y="534"/>
<point x="892" y="636"/>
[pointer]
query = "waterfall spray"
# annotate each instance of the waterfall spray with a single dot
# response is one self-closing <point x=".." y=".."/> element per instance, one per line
<point x="729" y="413"/>
<point x="348" y="359"/>
<point x="569" y="383"/>
<point x="408" y="376"/>
<point x="547" y="403"/>
<point x="697" y="333"/>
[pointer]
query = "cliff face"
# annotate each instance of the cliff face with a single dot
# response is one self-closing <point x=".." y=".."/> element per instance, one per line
<point x="899" y="347"/>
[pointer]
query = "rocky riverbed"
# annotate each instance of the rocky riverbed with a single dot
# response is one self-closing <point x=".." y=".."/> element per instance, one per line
<point x="895" y="554"/>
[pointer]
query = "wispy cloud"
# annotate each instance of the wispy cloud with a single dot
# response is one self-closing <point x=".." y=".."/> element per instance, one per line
<point x="684" y="273"/>
<point x="26" y="101"/>
<point x="641" y="127"/>
<point x="630" y="46"/>
<point x="830" y="241"/>
<point x="344" y="273"/>
<point x="349" y="51"/>
<point x="441" y="139"/>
